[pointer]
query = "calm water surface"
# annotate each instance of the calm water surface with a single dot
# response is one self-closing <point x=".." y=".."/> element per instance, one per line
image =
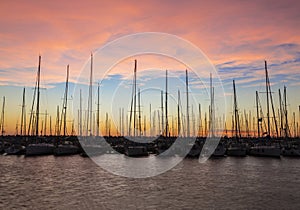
<point x="78" y="183"/>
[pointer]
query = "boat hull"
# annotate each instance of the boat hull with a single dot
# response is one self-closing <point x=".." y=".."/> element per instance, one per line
<point x="39" y="149"/>
<point x="62" y="150"/>
<point x="236" y="151"/>
<point x="291" y="152"/>
<point x="265" y="151"/>
<point x="136" y="151"/>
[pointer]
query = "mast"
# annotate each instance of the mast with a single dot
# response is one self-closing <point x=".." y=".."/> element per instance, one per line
<point x="80" y="114"/>
<point x="57" y="122"/>
<point x="162" y="112"/>
<point x="38" y="98"/>
<point x="50" y="126"/>
<point x="90" y="101"/>
<point x="178" y="115"/>
<point x="187" y="104"/>
<point x="98" y="110"/>
<point x="2" y="117"/>
<point x="280" y="112"/>
<point x="286" y="114"/>
<point x="200" y="120"/>
<point x="23" y="115"/>
<point x="257" y="115"/>
<point x="64" y="107"/>
<point x="294" y="124"/>
<point x="150" y="121"/>
<point x="45" y="124"/>
<point x="236" y="117"/>
<point x="268" y="105"/>
<point x="106" y="124"/>
<point x="273" y="110"/>
<point x="140" y="119"/>
<point x="134" y="102"/>
<point x="298" y="121"/>
<point x="166" y="105"/>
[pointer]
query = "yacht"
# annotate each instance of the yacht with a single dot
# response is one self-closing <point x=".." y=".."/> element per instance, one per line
<point x="14" y="150"/>
<point x="236" y="149"/>
<point x="136" y="151"/>
<point x="39" y="149"/>
<point x="66" y="149"/>
<point x="265" y="150"/>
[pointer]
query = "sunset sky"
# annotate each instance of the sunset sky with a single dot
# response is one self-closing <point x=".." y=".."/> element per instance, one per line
<point x="236" y="36"/>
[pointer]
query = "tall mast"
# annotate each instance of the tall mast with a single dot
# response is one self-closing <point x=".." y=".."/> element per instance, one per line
<point x="150" y="121"/>
<point x="162" y="112"/>
<point x="106" y="124"/>
<point x="273" y="110"/>
<point x="178" y="115"/>
<point x="200" y="121"/>
<point x="57" y="122"/>
<point x="212" y="116"/>
<point x="294" y="124"/>
<point x="286" y="114"/>
<point x="140" y="119"/>
<point x="280" y="112"/>
<point x="236" y="117"/>
<point x="134" y="102"/>
<point x="298" y="121"/>
<point x="90" y="101"/>
<point x="187" y="104"/>
<point x="257" y="115"/>
<point x="268" y="105"/>
<point x="45" y="124"/>
<point x="98" y="110"/>
<point x="38" y="98"/>
<point x="80" y="114"/>
<point x="166" y="105"/>
<point x="65" y="103"/>
<point x="2" y="117"/>
<point x="23" y="115"/>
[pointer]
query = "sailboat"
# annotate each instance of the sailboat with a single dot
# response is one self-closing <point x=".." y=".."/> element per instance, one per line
<point x="134" y="149"/>
<point x="265" y="148"/>
<point x="220" y="150"/>
<point x="38" y="148"/>
<point x="235" y="148"/>
<point x="66" y="147"/>
<point x="289" y="148"/>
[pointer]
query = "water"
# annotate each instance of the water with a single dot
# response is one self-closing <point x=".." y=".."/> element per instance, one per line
<point x="77" y="183"/>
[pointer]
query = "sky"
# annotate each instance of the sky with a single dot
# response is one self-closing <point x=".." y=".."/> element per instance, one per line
<point x="236" y="36"/>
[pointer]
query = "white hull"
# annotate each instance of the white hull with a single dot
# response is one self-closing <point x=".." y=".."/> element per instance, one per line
<point x="39" y="149"/>
<point x="267" y="151"/>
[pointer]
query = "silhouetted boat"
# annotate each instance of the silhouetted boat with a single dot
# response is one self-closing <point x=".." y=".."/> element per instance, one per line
<point x="265" y="151"/>
<point x="136" y="151"/>
<point x="39" y="149"/>
<point x="291" y="150"/>
<point x="14" y="150"/>
<point x="236" y="149"/>
<point x="220" y="151"/>
<point x="66" y="149"/>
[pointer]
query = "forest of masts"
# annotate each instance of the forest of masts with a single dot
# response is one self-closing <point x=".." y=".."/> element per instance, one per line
<point x="274" y="122"/>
